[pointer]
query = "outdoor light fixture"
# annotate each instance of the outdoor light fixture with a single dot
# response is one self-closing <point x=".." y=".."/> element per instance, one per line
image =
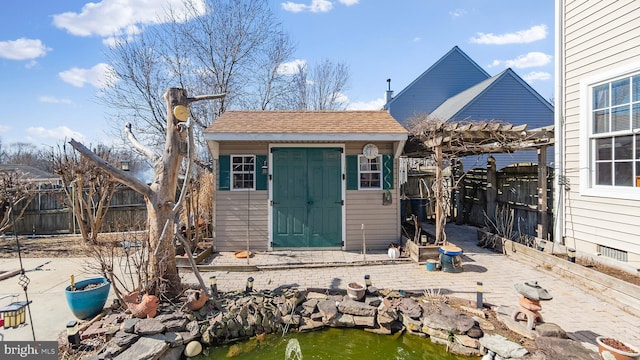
<point x="265" y="168"/>
<point x="571" y="252"/>
<point x="479" y="290"/>
<point x="73" y="336"/>
<point x="181" y="112"/>
<point x="213" y="284"/>
<point x="367" y="280"/>
<point x="249" y="287"/>
<point x="124" y="165"/>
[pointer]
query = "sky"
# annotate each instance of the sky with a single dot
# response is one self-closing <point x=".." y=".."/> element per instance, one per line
<point x="52" y="53"/>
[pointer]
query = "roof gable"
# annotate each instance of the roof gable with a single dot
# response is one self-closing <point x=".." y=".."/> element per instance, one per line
<point x="504" y="96"/>
<point x="451" y="74"/>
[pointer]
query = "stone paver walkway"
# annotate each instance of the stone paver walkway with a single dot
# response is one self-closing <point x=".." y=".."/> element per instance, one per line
<point x="582" y="314"/>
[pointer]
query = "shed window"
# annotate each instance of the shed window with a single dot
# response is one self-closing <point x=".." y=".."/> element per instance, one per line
<point x="614" y="142"/>
<point x="370" y="172"/>
<point x="243" y="169"/>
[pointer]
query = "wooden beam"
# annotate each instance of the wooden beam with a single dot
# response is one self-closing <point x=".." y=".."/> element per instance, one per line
<point x="543" y="227"/>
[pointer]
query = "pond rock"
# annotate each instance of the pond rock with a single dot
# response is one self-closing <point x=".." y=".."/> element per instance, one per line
<point x="356" y="308"/>
<point x="328" y="309"/>
<point x="503" y="346"/>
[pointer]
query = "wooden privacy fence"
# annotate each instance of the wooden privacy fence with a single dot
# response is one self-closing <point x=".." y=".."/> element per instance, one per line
<point x="516" y="190"/>
<point x="46" y="214"/>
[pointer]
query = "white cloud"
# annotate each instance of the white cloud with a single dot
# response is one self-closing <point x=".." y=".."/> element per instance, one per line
<point x="4" y="128"/>
<point x="536" y="75"/>
<point x="291" y="67"/>
<point x="535" y="33"/>
<point x="376" y="104"/>
<point x="457" y="13"/>
<point x="532" y="59"/>
<point x="349" y="2"/>
<point x="59" y="133"/>
<point x="96" y="76"/>
<point x="22" y="49"/>
<point x="315" y="6"/>
<point x="416" y="39"/>
<point x="54" y="100"/>
<point x="117" y="17"/>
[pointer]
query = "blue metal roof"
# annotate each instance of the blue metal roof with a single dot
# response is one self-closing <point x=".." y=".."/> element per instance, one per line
<point x="451" y="74"/>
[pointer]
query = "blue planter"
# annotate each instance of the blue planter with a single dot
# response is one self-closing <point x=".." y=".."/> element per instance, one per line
<point x="88" y="303"/>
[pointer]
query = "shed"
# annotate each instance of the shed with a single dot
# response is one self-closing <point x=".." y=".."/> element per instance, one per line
<point x="305" y="179"/>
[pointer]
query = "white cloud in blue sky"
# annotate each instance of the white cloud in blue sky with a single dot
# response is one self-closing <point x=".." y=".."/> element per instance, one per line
<point x="36" y="133"/>
<point x="4" y="128"/>
<point x="532" y="59"/>
<point x="291" y="67"/>
<point x="96" y="76"/>
<point x="115" y="17"/>
<point x="457" y="12"/>
<point x="536" y="76"/>
<point x="316" y="6"/>
<point x="22" y="49"/>
<point x="535" y="33"/>
<point x="54" y="100"/>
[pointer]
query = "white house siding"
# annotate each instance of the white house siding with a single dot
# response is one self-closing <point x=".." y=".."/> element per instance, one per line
<point x="599" y="38"/>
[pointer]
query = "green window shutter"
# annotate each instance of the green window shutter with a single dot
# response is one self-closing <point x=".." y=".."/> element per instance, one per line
<point x="224" y="172"/>
<point x="261" y="179"/>
<point x="352" y="172"/>
<point x="387" y="171"/>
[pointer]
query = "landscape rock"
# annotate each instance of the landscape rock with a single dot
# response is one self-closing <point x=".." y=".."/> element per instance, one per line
<point x="502" y="346"/>
<point x="144" y="349"/>
<point x="558" y="348"/>
<point x="128" y="325"/>
<point x="550" y="330"/>
<point x="149" y="326"/>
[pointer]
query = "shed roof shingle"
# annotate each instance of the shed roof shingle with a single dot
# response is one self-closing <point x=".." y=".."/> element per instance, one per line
<point x="306" y="122"/>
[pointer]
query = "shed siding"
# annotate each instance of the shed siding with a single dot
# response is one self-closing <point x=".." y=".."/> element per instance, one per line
<point x="599" y="37"/>
<point x="233" y="219"/>
<point x="449" y="76"/>
<point x="381" y="222"/>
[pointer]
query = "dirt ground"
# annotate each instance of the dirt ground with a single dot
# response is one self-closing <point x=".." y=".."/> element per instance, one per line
<point x="73" y="246"/>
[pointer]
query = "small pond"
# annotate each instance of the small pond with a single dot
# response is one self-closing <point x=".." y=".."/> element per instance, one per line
<point x="334" y="344"/>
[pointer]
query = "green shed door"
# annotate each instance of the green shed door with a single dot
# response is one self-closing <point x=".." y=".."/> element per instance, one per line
<point x="307" y="197"/>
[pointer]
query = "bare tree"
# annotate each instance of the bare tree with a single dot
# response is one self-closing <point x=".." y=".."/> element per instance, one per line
<point x="321" y="87"/>
<point x="234" y="47"/>
<point x="160" y="195"/>
<point x="24" y="153"/>
<point x="88" y="190"/>
<point x="16" y="194"/>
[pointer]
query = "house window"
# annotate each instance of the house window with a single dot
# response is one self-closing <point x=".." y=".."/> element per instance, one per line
<point x="243" y="169"/>
<point x="614" y="139"/>
<point x="370" y="172"/>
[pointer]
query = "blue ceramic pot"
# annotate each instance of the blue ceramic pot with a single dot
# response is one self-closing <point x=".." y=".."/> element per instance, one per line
<point x="88" y="303"/>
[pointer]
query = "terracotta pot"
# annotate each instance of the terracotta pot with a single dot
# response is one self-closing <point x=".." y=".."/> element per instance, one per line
<point x="608" y="352"/>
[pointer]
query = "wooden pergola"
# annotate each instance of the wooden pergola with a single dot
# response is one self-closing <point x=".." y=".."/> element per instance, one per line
<point x="459" y="139"/>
